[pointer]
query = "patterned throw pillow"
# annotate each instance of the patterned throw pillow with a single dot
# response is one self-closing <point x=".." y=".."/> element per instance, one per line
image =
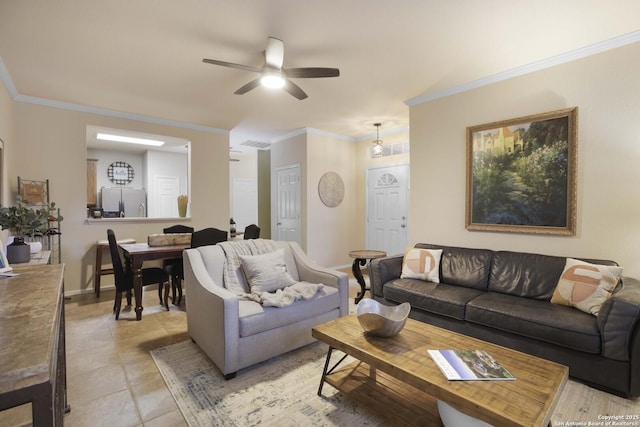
<point x="586" y="286"/>
<point x="423" y="264"/>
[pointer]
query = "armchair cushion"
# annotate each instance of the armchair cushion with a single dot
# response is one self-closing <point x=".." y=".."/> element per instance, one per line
<point x="266" y="272"/>
<point x="256" y="318"/>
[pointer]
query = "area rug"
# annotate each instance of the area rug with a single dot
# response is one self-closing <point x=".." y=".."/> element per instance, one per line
<point x="283" y="392"/>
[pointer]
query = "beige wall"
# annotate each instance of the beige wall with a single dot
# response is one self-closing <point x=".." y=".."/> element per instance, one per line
<point x="328" y="234"/>
<point x="50" y="143"/>
<point x="264" y="193"/>
<point x="605" y="88"/>
<point x="6" y="134"/>
<point x="331" y="233"/>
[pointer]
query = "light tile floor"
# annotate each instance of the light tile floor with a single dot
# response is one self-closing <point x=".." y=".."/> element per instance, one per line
<point x="111" y="377"/>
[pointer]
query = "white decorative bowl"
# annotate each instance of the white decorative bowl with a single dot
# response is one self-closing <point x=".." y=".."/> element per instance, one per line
<point x="382" y="320"/>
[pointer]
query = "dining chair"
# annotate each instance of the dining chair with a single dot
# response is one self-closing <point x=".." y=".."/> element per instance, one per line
<point x="204" y="237"/>
<point x="251" y="232"/>
<point x="172" y="265"/>
<point x="124" y="278"/>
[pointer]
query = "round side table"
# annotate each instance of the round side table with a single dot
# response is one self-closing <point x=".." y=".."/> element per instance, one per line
<point x="360" y="259"/>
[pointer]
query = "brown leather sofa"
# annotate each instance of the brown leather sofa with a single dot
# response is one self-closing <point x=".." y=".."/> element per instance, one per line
<point x="504" y="297"/>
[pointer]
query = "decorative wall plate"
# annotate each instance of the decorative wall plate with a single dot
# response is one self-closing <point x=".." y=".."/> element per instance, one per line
<point x="120" y="173"/>
<point x="331" y="189"/>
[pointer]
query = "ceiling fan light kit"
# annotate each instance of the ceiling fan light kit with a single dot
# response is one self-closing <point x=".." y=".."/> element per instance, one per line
<point x="273" y="75"/>
<point x="272" y="80"/>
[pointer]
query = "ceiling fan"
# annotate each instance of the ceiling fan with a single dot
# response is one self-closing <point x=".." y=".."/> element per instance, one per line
<point x="273" y="75"/>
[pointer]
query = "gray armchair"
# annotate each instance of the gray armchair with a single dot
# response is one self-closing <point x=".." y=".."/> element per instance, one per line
<point x="236" y="333"/>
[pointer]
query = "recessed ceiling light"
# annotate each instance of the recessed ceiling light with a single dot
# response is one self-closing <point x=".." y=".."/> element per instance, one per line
<point x="129" y="139"/>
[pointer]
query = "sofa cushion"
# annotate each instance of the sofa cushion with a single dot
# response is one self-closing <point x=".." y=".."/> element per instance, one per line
<point x="266" y="272"/>
<point x="586" y="286"/>
<point x="525" y="275"/>
<point x="255" y="318"/>
<point x="463" y="266"/>
<point x="542" y="320"/>
<point x="421" y="264"/>
<point x="439" y="298"/>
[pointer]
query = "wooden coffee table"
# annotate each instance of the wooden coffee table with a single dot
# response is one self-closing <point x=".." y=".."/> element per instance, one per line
<point x="397" y="378"/>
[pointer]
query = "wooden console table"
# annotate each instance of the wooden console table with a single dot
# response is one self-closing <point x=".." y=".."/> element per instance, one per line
<point x="32" y="355"/>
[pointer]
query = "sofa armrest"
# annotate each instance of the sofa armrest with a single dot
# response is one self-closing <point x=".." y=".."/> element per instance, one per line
<point x="311" y="272"/>
<point x="618" y="320"/>
<point x="213" y="314"/>
<point x="382" y="270"/>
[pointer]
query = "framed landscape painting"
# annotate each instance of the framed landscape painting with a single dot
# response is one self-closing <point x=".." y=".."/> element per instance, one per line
<point x="521" y="174"/>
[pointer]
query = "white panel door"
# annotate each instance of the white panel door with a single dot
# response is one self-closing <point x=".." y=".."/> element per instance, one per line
<point x="387" y="189"/>
<point x="288" y="204"/>
<point x="166" y="189"/>
<point x="245" y="202"/>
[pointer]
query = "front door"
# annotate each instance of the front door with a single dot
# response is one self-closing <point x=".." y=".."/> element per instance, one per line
<point x="387" y="221"/>
<point x="288" y="204"/>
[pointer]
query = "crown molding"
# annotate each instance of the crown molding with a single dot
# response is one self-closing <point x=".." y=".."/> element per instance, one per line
<point x="6" y="78"/>
<point x="593" y="49"/>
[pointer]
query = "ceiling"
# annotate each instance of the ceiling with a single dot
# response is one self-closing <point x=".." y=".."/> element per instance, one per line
<point x="144" y="57"/>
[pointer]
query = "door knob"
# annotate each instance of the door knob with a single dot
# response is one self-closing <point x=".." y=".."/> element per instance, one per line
<point x="403" y="225"/>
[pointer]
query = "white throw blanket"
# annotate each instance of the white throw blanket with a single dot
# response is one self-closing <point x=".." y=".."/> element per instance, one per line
<point x="235" y="281"/>
<point x="290" y="294"/>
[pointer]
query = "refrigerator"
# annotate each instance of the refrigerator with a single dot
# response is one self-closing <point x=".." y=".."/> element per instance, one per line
<point x="123" y="202"/>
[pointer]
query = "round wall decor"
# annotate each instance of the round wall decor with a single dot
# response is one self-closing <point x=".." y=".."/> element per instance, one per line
<point x="120" y="173"/>
<point x="331" y="189"/>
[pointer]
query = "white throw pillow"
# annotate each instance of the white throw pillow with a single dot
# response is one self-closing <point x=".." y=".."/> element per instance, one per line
<point x="266" y="272"/>
<point x="586" y="286"/>
<point x="423" y="264"/>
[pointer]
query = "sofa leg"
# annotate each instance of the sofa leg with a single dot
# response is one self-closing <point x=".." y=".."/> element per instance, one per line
<point x="230" y="376"/>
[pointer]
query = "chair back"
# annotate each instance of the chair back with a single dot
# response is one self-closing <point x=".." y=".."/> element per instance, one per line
<point x="251" y="232"/>
<point x="207" y="236"/>
<point x="178" y="228"/>
<point x="123" y="283"/>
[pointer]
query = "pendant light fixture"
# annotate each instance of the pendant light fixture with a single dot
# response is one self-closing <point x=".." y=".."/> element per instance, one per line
<point x="376" y="150"/>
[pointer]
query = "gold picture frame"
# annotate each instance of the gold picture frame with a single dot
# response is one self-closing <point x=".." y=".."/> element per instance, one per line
<point x="521" y="174"/>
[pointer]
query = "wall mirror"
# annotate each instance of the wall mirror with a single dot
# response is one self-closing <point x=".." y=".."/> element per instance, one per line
<point x="135" y="175"/>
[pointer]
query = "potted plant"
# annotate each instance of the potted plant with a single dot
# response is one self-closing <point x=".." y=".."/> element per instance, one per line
<point x="23" y="221"/>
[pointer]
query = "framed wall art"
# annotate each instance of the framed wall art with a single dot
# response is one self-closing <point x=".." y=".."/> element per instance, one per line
<point x="34" y="192"/>
<point x="521" y="174"/>
<point x="120" y="173"/>
<point x="331" y="189"/>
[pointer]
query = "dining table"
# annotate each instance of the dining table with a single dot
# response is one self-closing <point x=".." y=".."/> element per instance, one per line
<point x="136" y="254"/>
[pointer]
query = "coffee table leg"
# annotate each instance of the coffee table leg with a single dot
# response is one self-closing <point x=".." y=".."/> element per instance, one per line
<point x="327" y="371"/>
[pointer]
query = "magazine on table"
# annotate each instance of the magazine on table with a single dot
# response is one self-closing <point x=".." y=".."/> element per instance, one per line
<point x="470" y="365"/>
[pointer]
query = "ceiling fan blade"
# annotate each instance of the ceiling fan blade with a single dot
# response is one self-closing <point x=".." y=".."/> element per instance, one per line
<point x="232" y="65"/>
<point x="311" y="72"/>
<point x="274" y="54"/>
<point x="294" y="90"/>
<point x="246" y="88"/>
